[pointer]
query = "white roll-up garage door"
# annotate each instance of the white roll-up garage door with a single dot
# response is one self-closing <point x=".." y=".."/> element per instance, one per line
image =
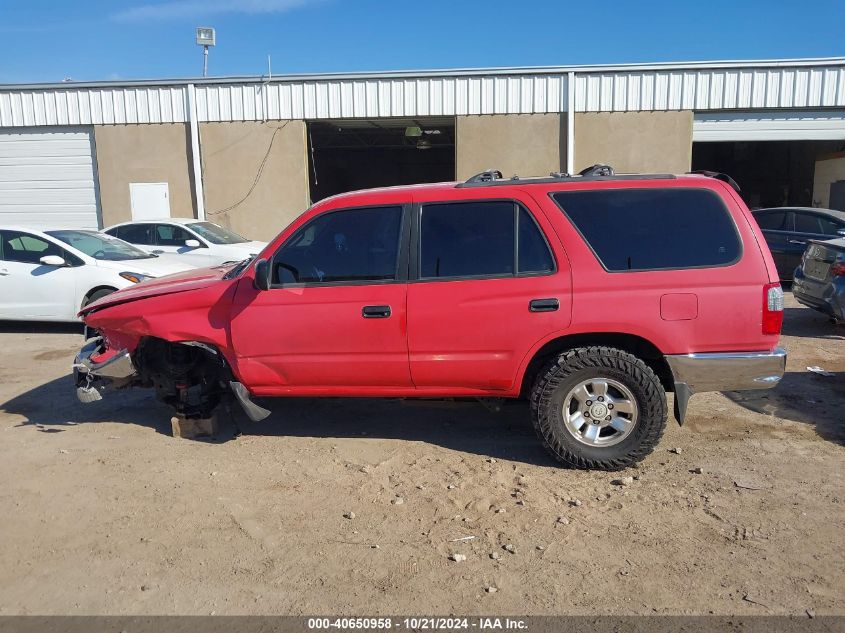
<point x="779" y="125"/>
<point x="47" y="177"/>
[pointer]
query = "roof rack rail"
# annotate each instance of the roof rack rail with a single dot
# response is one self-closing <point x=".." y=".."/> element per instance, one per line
<point x="493" y="177"/>
<point x="486" y="176"/>
<point x="718" y="176"/>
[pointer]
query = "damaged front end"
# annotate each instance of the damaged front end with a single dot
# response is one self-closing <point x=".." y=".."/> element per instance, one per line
<point x="97" y="369"/>
<point x="190" y="376"/>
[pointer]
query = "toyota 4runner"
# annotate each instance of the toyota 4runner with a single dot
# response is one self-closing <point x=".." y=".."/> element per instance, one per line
<point x="589" y="295"/>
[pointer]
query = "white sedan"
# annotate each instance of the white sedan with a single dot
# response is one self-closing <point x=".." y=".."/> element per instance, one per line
<point x="204" y="243"/>
<point x="49" y="275"/>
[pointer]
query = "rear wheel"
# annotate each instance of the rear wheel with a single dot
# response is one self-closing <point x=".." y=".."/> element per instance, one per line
<point x="598" y="407"/>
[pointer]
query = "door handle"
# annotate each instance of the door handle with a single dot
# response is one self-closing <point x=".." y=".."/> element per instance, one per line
<point x="797" y="241"/>
<point x="543" y="305"/>
<point x="375" y="312"/>
<point x="4" y="272"/>
<point x="157" y="252"/>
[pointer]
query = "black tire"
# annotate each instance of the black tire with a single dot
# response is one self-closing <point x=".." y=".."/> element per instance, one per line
<point x="555" y="382"/>
<point x="97" y="294"/>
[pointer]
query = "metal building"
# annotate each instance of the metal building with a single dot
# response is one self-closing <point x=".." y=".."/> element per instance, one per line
<point x="252" y="152"/>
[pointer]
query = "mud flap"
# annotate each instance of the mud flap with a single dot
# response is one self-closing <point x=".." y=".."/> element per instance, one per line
<point x="682" y="396"/>
<point x="252" y="410"/>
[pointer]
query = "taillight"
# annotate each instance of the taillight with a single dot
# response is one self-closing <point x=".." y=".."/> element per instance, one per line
<point x="837" y="269"/>
<point x="772" y="308"/>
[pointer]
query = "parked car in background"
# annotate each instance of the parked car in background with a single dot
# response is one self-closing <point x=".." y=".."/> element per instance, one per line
<point x="204" y="243"/>
<point x="50" y="275"/>
<point x="788" y="230"/>
<point x="820" y="279"/>
<point x="563" y="290"/>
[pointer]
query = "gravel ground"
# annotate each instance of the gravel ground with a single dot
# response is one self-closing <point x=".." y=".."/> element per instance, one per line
<point x="356" y="506"/>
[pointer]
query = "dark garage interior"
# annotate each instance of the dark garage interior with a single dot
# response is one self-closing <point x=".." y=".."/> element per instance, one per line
<point x="769" y="173"/>
<point x="346" y="155"/>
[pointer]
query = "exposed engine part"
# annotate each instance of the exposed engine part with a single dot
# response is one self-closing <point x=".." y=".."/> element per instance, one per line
<point x="189" y="377"/>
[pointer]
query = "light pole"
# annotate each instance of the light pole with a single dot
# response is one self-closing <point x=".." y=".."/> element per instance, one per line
<point x="205" y="38"/>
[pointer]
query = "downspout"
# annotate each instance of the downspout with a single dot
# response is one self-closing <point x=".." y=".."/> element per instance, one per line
<point x="570" y="123"/>
<point x="195" y="152"/>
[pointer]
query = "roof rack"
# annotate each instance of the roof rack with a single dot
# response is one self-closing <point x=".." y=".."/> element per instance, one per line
<point x="486" y="176"/>
<point x="493" y="177"/>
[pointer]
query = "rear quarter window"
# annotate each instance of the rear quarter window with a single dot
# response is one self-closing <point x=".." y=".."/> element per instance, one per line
<point x="653" y="229"/>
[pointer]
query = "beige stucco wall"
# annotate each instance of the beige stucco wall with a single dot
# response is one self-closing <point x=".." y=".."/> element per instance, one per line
<point x="828" y="170"/>
<point x="142" y="153"/>
<point x="523" y="144"/>
<point x="232" y="154"/>
<point x="634" y="141"/>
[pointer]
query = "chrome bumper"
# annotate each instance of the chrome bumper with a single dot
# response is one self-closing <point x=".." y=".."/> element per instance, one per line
<point x="726" y="371"/>
<point x="88" y="375"/>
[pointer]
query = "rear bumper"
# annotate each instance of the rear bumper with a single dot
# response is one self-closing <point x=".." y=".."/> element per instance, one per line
<point x="726" y="371"/>
<point x="825" y="296"/>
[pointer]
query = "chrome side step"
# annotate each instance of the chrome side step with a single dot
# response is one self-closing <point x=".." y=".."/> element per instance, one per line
<point x="252" y="410"/>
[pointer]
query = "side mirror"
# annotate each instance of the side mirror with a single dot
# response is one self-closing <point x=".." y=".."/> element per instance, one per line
<point x="192" y="243"/>
<point x="53" y="260"/>
<point x="262" y="274"/>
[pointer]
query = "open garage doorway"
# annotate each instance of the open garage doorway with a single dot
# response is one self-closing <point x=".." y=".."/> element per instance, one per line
<point x="345" y="155"/>
<point x="770" y="173"/>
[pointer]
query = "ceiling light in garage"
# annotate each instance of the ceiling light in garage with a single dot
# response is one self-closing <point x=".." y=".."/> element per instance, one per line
<point x="423" y="144"/>
<point x="413" y="131"/>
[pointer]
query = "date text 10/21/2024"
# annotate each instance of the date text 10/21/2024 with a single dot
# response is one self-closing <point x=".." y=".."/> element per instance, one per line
<point x="418" y="623"/>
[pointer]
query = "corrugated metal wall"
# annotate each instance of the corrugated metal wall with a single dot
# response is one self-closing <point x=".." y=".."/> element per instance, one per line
<point x="803" y="85"/>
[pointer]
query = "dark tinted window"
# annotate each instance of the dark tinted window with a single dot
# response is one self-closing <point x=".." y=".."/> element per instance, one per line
<point x="467" y="239"/>
<point x="649" y="229"/>
<point x="170" y="235"/>
<point x="807" y="223"/>
<point x="350" y="245"/>
<point x="830" y="226"/>
<point x="26" y="248"/>
<point x="771" y="220"/>
<point x="136" y="234"/>
<point x="534" y="254"/>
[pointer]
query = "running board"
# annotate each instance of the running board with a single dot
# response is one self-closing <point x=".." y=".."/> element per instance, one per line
<point x="252" y="410"/>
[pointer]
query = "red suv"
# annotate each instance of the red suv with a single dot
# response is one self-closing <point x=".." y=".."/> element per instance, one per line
<point x="589" y="295"/>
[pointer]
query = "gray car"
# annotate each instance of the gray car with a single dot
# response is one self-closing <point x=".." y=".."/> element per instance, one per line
<point x="819" y="281"/>
<point x="788" y="230"/>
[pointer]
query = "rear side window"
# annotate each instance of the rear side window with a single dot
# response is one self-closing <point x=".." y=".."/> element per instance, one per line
<point x="137" y="234"/>
<point x="771" y="220"/>
<point x="653" y="229"/>
<point x="479" y="239"/>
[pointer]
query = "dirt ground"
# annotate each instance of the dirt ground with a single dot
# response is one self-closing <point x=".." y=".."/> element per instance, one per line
<point x="104" y="513"/>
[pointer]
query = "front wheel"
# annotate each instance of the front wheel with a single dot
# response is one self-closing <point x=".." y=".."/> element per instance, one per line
<point x="598" y="407"/>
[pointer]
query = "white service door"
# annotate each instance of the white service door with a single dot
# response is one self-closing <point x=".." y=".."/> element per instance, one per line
<point x="149" y="200"/>
<point x="47" y="177"/>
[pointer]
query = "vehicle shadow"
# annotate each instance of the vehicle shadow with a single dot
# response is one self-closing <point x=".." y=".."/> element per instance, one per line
<point x="40" y="327"/>
<point x="803" y="397"/>
<point x="808" y="323"/>
<point x="53" y="407"/>
<point x="464" y="426"/>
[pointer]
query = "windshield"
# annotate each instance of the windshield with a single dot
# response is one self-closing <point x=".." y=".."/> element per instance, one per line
<point x="100" y="245"/>
<point x="216" y="234"/>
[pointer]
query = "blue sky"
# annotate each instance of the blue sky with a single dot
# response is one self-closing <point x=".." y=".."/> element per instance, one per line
<point x="48" y="40"/>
